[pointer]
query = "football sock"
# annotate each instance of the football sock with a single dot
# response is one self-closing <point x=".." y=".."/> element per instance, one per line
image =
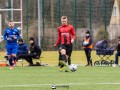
<point x="63" y="57"/>
<point x="14" y="58"/>
<point x="10" y="62"/>
<point x="69" y="61"/>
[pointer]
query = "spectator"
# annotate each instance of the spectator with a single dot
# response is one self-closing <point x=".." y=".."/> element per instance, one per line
<point x="117" y="54"/>
<point x="22" y="47"/>
<point x="87" y="45"/>
<point x="35" y="52"/>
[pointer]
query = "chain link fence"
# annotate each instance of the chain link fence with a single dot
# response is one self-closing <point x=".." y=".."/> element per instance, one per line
<point x="101" y="17"/>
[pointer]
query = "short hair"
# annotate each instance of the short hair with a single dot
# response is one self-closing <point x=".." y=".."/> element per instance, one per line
<point x="11" y="21"/>
<point x="87" y="32"/>
<point x="20" y="40"/>
<point x="64" y="17"/>
<point x="31" y="38"/>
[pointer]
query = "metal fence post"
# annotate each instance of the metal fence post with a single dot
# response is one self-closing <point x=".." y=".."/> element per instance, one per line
<point x="105" y="23"/>
<point x="43" y="27"/>
<point x="91" y="32"/>
<point x="27" y="20"/>
<point x="75" y="20"/>
<point x="59" y="14"/>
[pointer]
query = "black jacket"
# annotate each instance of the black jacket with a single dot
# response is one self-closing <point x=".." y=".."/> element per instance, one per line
<point x="35" y="49"/>
<point x="118" y="48"/>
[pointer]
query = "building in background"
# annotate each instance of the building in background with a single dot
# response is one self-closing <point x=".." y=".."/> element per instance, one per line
<point x="114" y="27"/>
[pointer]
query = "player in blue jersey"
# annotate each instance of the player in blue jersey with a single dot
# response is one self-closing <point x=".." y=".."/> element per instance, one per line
<point x="11" y="34"/>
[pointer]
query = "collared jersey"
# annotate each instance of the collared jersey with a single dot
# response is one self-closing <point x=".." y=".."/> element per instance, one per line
<point x="65" y="34"/>
<point x="10" y="33"/>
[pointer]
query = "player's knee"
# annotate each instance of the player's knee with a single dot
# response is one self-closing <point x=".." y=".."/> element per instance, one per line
<point x="63" y="51"/>
<point x="13" y="55"/>
<point x="10" y="56"/>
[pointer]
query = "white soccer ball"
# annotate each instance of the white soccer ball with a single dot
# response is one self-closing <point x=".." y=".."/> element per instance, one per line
<point x="84" y="43"/>
<point x="73" y="67"/>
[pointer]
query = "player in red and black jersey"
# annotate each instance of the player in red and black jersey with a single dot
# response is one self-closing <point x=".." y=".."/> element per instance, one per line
<point x="66" y="37"/>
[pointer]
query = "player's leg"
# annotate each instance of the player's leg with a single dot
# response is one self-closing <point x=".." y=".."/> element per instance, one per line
<point x="69" y="52"/>
<point x="62" y="62"/>
<point x="63" y="57"/>
<point x="9" y="53"/>
<point x="10" y="61"/>
<point x="14" y="59"/>
<point x="14" y="52"/>
<point x="69" y="61"/>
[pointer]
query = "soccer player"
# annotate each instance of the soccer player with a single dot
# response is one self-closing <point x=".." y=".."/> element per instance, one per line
<point x="69" y="59"/>
<point x="87" y="45"/>
<point x="11" y="34"/>
<point x="66" y="37"/>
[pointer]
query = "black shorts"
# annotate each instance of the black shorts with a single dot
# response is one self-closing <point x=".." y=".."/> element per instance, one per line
<point x="67" y="47"/>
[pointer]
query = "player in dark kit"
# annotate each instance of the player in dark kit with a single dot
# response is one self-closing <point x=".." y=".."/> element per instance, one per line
<point x="66" y="37"/>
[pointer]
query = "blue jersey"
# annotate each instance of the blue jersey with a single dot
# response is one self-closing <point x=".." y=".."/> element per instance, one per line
<point x="11" y="33"/>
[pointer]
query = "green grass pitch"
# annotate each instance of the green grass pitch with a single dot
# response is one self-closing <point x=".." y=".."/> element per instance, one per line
<point x="43" y="77"/>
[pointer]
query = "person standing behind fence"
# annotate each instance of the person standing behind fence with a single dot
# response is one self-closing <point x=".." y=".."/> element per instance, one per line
<point x="11" y="34"/>
<point x="66" y="37"/>
<point x="117" y="55"/>
<point x="87" y="45"/>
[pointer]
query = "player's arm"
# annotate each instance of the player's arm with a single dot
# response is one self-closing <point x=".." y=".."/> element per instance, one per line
<point x="58" y="40"/>
<point x="5" y="36"/>
<point x="73" y="34"/>
<point x="17" y="35"/>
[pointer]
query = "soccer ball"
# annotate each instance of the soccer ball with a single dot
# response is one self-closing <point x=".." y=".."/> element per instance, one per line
<point x="84" y="43"/>
<point x="73" y="67"/>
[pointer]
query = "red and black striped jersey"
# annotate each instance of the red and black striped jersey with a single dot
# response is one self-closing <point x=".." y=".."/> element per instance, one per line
<point x="65" y="34"/>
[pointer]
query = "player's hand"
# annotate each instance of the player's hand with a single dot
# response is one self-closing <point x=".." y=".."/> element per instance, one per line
<point x="72" y="41"/>
<point x="9" y="39"/>
<point x="15" y="37"/>
<point x="54" y="45"/>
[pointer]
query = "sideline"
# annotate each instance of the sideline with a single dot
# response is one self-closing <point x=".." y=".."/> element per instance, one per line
<point x="40" y="85"/>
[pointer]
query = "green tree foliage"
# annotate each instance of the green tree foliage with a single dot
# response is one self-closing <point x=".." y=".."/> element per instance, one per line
<point x="102" y="34"/>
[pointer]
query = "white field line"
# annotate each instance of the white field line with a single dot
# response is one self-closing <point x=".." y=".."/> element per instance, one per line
<point x="40" y="85"/>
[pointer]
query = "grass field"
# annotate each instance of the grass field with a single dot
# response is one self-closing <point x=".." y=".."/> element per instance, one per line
<point x="43" y="77"/>
<point x="51" y="57"/>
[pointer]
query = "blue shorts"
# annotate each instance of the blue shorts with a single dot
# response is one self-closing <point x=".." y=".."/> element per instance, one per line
<point x="11" y="49"/>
